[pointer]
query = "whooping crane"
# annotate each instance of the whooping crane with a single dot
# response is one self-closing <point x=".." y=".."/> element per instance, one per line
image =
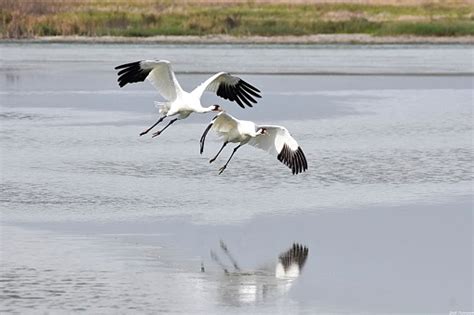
<point x="290" y="262"/>
<point x="253" y="286"/>
<point x="179" y="102"/>
<point x="274" y="139"/>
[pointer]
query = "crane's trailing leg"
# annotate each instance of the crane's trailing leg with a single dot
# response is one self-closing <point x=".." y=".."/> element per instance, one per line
<point x="229" y="255"/>
<point x="230" y="158"/>
<point x="219" y="262"/>
<point x="222" y="148"/>
<point x="160" y="131"/>
<point x="154" y="125"/>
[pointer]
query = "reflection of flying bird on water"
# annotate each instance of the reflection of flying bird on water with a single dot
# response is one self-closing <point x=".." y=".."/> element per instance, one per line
<point x="179" y="102"/>
<point x="239" y="286"/>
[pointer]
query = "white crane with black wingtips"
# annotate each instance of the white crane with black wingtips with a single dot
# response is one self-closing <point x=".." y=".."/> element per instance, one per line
<point x="241" y="287"/>
<point x="274" y="139"/>
<point x="179" y="102"/>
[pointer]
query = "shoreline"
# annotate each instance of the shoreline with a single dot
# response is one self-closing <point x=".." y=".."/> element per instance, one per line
<point x="227" y="39"/>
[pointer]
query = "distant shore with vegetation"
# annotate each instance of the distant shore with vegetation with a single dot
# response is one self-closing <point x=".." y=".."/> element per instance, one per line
<point x="403" y="21"/>
<point x="227" y="39"/>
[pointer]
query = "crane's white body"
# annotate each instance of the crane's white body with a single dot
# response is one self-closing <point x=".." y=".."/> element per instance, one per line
<point x="178" y="102"/>
<point x="183" y="106"/>
<point x="234" y="130"/>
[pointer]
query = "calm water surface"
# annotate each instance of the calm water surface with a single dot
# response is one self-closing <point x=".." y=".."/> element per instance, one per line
<point x="95" y="218"/>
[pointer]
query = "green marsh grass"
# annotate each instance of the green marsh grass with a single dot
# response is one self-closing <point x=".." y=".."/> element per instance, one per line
<point x="148" y="18"/>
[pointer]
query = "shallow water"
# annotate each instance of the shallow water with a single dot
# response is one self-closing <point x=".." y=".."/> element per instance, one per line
<point x="110" y="221"/>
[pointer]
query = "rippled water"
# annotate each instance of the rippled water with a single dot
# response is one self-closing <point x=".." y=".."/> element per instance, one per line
<point x="374" y="137"/>
<point x="396" y="146"/>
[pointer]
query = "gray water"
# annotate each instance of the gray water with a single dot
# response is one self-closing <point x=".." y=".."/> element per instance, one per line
<point x="95" y="218"/>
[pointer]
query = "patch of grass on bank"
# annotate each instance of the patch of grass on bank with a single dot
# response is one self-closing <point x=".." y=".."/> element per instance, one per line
<point x="452" y="28"/>
<point x="153" y="17"/>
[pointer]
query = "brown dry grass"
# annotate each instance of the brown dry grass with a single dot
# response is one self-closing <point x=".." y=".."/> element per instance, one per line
<point x="367" y="2"/>
<point x="65" y="3"/>
<point x="363" y="2"/>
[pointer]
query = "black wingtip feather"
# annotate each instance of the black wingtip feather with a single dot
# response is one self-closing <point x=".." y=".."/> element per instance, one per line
<point x="251" y="92"/>
<point x="126" y="65"/>
<point x="297" y="254"/>
<point x="247" y="96"/>
<point x="131" y="73"/>
<point x="250" y="86"/>
<point x="295" y="160"/>
<point x="240" y="92"/>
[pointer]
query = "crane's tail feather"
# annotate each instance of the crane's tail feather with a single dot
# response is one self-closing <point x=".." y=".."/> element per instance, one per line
<point x="163" y="107"/>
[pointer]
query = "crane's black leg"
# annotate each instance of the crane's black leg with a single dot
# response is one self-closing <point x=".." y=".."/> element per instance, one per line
<point x="222" y="148"/>
<point x="230" y="158"/>
<point x="160" y="131"/>
<point x="154" y="125"/>
<point x="219" y="262"/>
<point x="229" y="255"/>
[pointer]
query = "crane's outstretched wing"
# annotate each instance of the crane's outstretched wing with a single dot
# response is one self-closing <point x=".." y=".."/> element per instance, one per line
<point x="278" y="141"/>
<point x="229" y="87"/>
<point x="158" y="72"/>
<point x="221" y="124"/>
<point x="290" y="263"/>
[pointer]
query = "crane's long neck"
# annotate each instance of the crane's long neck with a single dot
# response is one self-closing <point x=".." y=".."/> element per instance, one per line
<point x="205" y="109"/>
<point x="253" y="134"/>
<point x="257" y="132"/>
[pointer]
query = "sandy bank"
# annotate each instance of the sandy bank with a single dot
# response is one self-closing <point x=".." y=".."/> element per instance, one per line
<point x="226" y="39"/>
